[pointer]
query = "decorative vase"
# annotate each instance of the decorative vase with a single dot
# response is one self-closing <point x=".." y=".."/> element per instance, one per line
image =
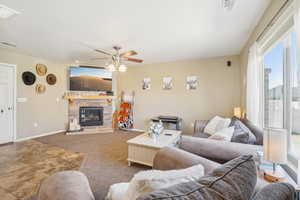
<point x="155" y="129"/>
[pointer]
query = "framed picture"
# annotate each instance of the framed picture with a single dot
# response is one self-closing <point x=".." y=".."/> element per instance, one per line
<point x="191" y="82"/>
<point x="167" y="83"/>
<point x="146" y="83"/>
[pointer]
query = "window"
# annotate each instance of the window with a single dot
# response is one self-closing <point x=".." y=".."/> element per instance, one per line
<point x="280" y="81"/>
<point x="295" y="100"/>
<point x="281" y="86"/>
<point x="273" y="87"/>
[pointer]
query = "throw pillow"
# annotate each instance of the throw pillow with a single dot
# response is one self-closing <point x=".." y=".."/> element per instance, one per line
<point x="215" y="124"/>
<point x="241" y="134"/>
<point x="225" y="134"/>
<point x="117" y="191"/>
<point x="234" y="180"/>
<point x="148" y="181"/>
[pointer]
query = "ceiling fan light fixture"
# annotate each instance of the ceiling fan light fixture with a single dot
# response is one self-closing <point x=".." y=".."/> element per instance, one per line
<point x="111" y="67"/>
<point x="122" y="68"/>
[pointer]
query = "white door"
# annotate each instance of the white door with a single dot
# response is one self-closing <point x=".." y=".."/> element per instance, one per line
<point x="6" y="103"/>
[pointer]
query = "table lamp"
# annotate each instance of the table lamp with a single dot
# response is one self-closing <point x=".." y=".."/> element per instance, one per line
<point x="275" y="151"/>
<point x="237" y="112"/>
<point x="298" y="181"/>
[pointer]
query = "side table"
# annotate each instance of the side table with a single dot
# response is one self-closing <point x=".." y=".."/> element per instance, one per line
<point x="287" y="178"/>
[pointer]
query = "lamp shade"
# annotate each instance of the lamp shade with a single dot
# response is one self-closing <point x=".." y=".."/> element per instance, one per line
<point x="122" y="68"/>
<point x="237" y="112"/>
<point x="298" y="181"/>
<point x="275" y="145"/>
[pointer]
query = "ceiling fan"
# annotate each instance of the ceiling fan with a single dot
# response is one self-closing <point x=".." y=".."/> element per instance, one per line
<point x="118" y="58"/>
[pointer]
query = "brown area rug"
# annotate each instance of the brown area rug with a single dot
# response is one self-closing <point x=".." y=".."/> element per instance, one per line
<point x="24" y="165"/>
<point x="105" y="157"/>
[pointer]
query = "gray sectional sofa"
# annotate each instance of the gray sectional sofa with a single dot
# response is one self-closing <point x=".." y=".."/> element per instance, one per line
<point x="229" y="167"/>
<point x="197" y="149"/>
<point x="247" y="139"/>
<point x="235" y="180"/>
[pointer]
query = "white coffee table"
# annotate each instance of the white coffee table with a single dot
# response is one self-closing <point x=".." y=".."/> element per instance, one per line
<point x="143" y="148"/>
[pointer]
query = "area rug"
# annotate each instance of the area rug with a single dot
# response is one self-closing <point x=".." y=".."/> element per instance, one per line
<point x="105" y="160"/>
<point x="24" y="165"/>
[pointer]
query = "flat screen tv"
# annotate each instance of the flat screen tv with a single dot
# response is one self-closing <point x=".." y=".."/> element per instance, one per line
<point x="90" y="79"/>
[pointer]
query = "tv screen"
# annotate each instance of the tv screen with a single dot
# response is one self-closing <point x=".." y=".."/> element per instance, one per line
<point x="90" y="79"/>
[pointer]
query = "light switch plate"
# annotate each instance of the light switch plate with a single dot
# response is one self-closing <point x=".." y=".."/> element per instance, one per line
<point x="22" y="99"/>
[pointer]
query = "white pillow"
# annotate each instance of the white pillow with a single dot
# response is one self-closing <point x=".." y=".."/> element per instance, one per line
<point x="148" y="181"/>
<point x="215" y="124"/>
<point x="117" y="191"/>
<point x="225" y="134"/>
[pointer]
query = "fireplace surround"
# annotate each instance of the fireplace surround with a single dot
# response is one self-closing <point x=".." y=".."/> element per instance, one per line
<point x="93" y="113"/>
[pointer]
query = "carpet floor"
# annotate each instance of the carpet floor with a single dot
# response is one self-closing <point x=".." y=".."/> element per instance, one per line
<point x="105" y="157"/>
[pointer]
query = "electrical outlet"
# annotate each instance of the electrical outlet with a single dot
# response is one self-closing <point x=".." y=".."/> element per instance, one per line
<point x="22" y="100"/>
<point x="57" y="99"/>
<point x="35" y="124"/>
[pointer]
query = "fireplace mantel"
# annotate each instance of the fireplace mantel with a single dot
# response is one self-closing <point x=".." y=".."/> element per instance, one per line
<point x="89" y="97"/>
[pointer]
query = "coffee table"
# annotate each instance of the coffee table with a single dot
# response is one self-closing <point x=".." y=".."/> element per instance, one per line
<point x="143" y="148"/>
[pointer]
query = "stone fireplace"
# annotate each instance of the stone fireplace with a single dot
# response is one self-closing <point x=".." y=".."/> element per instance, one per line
<point x="93" y="113"/>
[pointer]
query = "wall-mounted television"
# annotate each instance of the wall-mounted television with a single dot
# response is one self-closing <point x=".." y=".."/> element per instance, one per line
<point x="90" y="79"/>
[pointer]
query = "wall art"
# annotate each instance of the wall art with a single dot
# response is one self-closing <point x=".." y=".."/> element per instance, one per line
<point x="167" y="83"/>
<point x="191" y="82"/>
<point x="146" y="83"/>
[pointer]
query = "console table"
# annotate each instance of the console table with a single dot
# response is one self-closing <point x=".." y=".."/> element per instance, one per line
<point x="169" y="120"/>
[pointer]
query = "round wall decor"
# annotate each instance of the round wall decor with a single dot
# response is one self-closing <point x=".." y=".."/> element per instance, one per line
<point x="51" y="79"/>
<point x="41" y="69"/>
<point x="28" y="78"/>
<point x="40" y="88"/>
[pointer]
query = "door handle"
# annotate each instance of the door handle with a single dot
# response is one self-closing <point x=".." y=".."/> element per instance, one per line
<point x="9" y="108"/>
<point x="1" y="111"/>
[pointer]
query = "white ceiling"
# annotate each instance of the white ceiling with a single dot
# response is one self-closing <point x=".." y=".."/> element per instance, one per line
<point x="159" y="30"/>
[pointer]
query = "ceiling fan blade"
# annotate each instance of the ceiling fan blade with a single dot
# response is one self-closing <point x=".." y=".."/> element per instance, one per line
<point x="98" y="58"/>
<point x="134" y="60"/>
<point x="128" y="53"/>
<point x="102" y="51"/>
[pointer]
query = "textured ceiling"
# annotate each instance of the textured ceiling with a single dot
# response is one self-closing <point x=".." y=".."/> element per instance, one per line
<point x="159" y="30"/>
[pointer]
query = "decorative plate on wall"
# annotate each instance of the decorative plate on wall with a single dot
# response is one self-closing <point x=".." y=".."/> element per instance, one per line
<point x="28" y="78"/>
<point x="51" y="79"/>
<point x="40" y="88"/>
<point x="41" y="69"/>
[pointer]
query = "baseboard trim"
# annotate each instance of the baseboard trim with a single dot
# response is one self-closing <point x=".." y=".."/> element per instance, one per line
<point x="40" y="135"/>
<point x="132" y="130"/>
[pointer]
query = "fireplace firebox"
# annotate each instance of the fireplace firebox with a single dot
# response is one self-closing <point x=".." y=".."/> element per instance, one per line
<point x="91" y="116"/>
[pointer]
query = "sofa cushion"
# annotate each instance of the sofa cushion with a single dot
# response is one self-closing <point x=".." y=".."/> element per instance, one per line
<point x="241" y="133"/>
<point x="150" y="180"/>
<point x="225" y="134"/>
<point x="117" y="191"/>
<point x="255" y="130"/>
<point x="215" y="124"/>
<point x="276" y="191"/>
<point x="66" y="185"/>
<point x="234" y="180"/>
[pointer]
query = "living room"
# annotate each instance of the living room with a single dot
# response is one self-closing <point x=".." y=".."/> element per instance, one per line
<point x="149" y="100"/>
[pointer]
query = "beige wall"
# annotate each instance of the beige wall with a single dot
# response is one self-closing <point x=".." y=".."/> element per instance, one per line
<point x="268" y="15"/>
<point x="218" y="91"/>
<point x="48" y="110"/>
